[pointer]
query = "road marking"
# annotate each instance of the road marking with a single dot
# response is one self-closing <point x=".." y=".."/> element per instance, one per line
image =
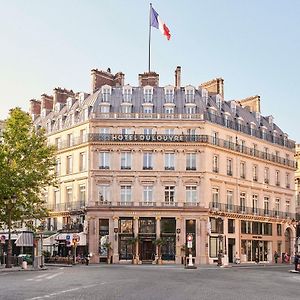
<point x="36" y="278"/>
<point x="54" y="275"/>
<point x="44" y="276"/>
<point x="62" y="292"/>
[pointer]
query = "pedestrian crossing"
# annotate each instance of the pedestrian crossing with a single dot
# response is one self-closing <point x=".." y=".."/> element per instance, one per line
<point x="45" y="276"/>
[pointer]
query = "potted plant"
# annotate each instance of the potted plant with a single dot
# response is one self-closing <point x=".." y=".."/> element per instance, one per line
<point x="108" y="247"/>
<point x="159" y="243"/>
<point x="132" y="241"/>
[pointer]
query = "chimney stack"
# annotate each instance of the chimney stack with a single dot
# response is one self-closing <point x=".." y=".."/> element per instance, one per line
<point x="149" y="78"/>
<point x="100" y="78"/>
<point x="46" y="102"/>
<point x="35" y="109"/>
<point x="61" y="95"/>
<point x="214" y="86"/>
<point x="253" y="103"/>
<point x="178" y="78"/>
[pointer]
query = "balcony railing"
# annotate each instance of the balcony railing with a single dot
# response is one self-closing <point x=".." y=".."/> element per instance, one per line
<point x="250" y="210"/>
<point x="191" y="203"/>
<point x="125" y="203"/>
<point x="69" y="206"/>
<point x="169" y="203"/>
<point x="148" y="203"/>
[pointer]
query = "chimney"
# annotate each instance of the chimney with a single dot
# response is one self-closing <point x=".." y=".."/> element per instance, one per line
<point x="178" y="78"/>
<point x="46" y="102"/>
<point x="149" y="78"/>
<point x="100" y="78"/>
<point x="253" y="103"/>
<point x="35" y="109"/>
<point x="214" y="86"/>
<point x="61" y="95"/>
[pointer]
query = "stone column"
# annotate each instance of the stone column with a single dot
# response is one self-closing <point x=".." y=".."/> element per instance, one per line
<point x="179" y="240"/>
<point x="198" y="240"/>
<point x="136" y="234"/>
<point x="93" y="238"/>
<point x="157" y="235"/>
<point x="203" y="241"/>
<point x="115" y="241"/>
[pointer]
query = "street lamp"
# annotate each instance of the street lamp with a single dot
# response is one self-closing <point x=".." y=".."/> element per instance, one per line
<point x="9" y="203"/>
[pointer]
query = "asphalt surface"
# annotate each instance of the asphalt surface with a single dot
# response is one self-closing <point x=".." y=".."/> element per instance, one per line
<point x="151" y="282"/>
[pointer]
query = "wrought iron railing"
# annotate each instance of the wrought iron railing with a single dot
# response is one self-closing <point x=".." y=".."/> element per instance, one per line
<point x="216" y="206"/>
<point x="69" y="206"/>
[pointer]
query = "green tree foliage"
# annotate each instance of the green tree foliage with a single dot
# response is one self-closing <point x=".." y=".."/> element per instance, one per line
<point x="26" y="168"/>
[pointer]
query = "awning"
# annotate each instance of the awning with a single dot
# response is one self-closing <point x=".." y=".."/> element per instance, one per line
<point x="25" y="239"/>
<point x="69" y="236"/>
<point x="13" y="236"/>
<point x="50" y="240"/>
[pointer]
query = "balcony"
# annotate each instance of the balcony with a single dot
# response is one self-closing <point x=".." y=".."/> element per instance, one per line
<point x="169" y="168"/>
<point x="125" y="203"/>
<point x="190" y="168"/>
<point x="148" y="203"/>
<point x="103" y="167"/>
<point x="229" y="173"/>
<point x="250" y="210"/>
<point x="69" y="206"/>
<point x="191" y="204"/>
<point x="169" y="203"/>
<point x="103" y="203"/>
<point x="147" y="168"/>
<point x="215" y="170"/>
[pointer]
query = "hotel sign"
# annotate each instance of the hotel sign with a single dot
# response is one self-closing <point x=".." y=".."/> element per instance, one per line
<point x="149" y="138"/>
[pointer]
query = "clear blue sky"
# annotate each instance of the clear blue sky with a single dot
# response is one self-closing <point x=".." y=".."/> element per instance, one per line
<point x="253" y="44"/>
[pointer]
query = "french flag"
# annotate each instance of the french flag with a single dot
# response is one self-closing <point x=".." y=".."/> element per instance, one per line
<point x="157" y="22"/>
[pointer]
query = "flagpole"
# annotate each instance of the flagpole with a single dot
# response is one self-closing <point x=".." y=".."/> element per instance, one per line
<point x="149" y="38"/>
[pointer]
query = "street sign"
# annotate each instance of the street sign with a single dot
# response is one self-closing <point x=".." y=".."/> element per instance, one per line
<point x="2" y="239"/>
<point x="190" y="244"/>
<point x="68" y="237"/>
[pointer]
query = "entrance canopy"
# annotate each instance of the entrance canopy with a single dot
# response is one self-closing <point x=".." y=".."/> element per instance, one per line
<point x="25" y="239"/>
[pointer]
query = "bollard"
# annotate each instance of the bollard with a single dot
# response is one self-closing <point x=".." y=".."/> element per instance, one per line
<point x="24" y="265"/>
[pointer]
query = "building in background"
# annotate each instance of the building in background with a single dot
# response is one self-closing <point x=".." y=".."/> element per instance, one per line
<point x="297" y="190"/>
<point x="151" y="162"/>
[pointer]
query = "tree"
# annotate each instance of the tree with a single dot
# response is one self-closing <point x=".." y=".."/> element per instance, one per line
<point x="26" y="168"/>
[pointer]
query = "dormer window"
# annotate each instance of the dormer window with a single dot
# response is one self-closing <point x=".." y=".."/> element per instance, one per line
<point x="270" y="120"/>
<point x="264" y="133"/>
<point x="204" y="94"/>
<point x="189" y="94"/>
<point x="257" y="117"/>
<point x="127" y="109"/>
<point x="148" y="94"/>
<point x="127" y="93"/>
<point x="252" y="129"/>
<point x="227" y="120"/>
<point x="169" y="94"/>
<point x="105" y="93"/>
<point x="58" y="107"/>
<point x="70" y="102"/>
<point x="240" y="123"/>
<point x="219" y="101"/>
<point x="233" y="107"/>
<point x="169" y="110"/>
<point x="44" y="113"/>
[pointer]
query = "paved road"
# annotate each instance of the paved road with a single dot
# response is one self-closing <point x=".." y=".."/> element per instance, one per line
<point x="151" y="282"/>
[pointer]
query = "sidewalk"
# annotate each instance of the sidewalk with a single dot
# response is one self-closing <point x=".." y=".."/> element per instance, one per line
<point x="18" y="269"/>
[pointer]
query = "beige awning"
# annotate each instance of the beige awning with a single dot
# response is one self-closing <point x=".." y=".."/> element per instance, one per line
<point x="25" y="239"/>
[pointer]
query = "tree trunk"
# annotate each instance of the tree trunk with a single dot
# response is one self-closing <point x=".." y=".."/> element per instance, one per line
<point x="9" y="247"/>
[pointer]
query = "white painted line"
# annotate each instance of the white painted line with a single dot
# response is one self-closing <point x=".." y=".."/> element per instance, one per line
<point x="37" y="278"/>
<point x="62" y="292"/>
<point x="54" y="275"/>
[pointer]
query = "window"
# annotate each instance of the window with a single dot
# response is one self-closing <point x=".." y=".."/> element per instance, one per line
<point x="229" y="200"/>
<point x="127" y="92"/>
<point x="255" y="203"/>
<point x="215" y="163"/>
<point x="126" y="160"/>
<point x="82" y="194"/>
<point x="104" y="193"/>
<point x="147" y="130"/>
<point x="57" y="167"/>
<point x="287" y="180"/>
<point x="277" y="178"/>
<point x="279" y="229"/>
<point x="190" y="110"/>
<point x="148" y="110"/>
<point x="58" y="143"/>
<point x="69" y="194"/>
<point x="215" y="197"/>
<point x="191" y="194"/>
<point x="56" y="199"/>
<point x="83" y="136"/>
<point x="243" y="169"/>
<point x="231" y="225"/>
<point x="170" y="131"/>
<point x="287" y="207"/>
<point x="277" y="207"/>
<point x="126" y="130"/>
<point x="147" y="161"/>
<point x="169" y="95"/>
<point x="191" y="161"/>
<point x="106" y="91"/>
<point x="169" y="194"/>
<point x="104" y="160"/>
<point x="169" y="161"/>
<point x="266" y="206"/>
<point x="70" y="140"/>
<point x="69" y="164"/>
<point x="104" y="109"/>
<point x="148" y="93"/>
<point x="229" y="166"/>
<point x="169" y="110"/>
<point x="189" y="95"/>
<point x="254" y="172"/>
<point x="215" y="138"/>
<point x="266" y="175"/>
<point x="126" y="109"/>
<point x="243" y="202"/>
<point x="82" y="161"/>
<point x="125" y="193"/>
<point x="148" y="193"/>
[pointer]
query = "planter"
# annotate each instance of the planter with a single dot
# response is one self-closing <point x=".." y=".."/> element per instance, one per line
<point x="159" y="261"/>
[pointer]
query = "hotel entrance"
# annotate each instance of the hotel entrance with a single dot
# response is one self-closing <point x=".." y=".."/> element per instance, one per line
<point x="147" y="236"/>
<point x="147" y="250"/>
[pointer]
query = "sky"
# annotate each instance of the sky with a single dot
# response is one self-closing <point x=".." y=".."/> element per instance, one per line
<point x="253" y="45"/>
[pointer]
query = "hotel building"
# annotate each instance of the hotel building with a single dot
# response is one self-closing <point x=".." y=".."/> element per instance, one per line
<point x="152" y="162"/>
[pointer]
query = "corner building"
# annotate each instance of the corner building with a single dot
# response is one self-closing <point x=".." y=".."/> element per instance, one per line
<point x="163" y="162"/>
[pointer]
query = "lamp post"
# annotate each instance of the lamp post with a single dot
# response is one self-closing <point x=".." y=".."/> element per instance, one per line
<point x="9" y="203"/>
